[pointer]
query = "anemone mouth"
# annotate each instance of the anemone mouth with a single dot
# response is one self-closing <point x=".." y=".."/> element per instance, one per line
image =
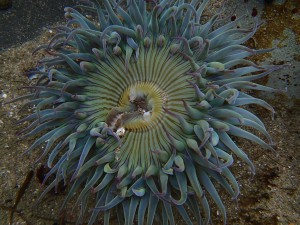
<point x="141" y="107"/>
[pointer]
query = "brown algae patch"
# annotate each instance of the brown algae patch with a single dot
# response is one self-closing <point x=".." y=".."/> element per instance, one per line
<point x="277" y="18"/>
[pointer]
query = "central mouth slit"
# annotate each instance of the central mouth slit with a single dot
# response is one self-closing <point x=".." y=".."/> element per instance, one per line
<point x="140" y="104"/>
<point x="140" y="108"/>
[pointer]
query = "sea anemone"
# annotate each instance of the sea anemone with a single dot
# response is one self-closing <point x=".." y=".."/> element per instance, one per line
<point x="138" y="103"/>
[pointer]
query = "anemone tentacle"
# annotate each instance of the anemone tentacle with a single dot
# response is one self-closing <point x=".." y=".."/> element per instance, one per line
<point x="144" y="99"/>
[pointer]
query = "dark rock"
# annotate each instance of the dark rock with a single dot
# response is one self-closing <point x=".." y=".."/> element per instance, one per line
<point x="27" y="18"/>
